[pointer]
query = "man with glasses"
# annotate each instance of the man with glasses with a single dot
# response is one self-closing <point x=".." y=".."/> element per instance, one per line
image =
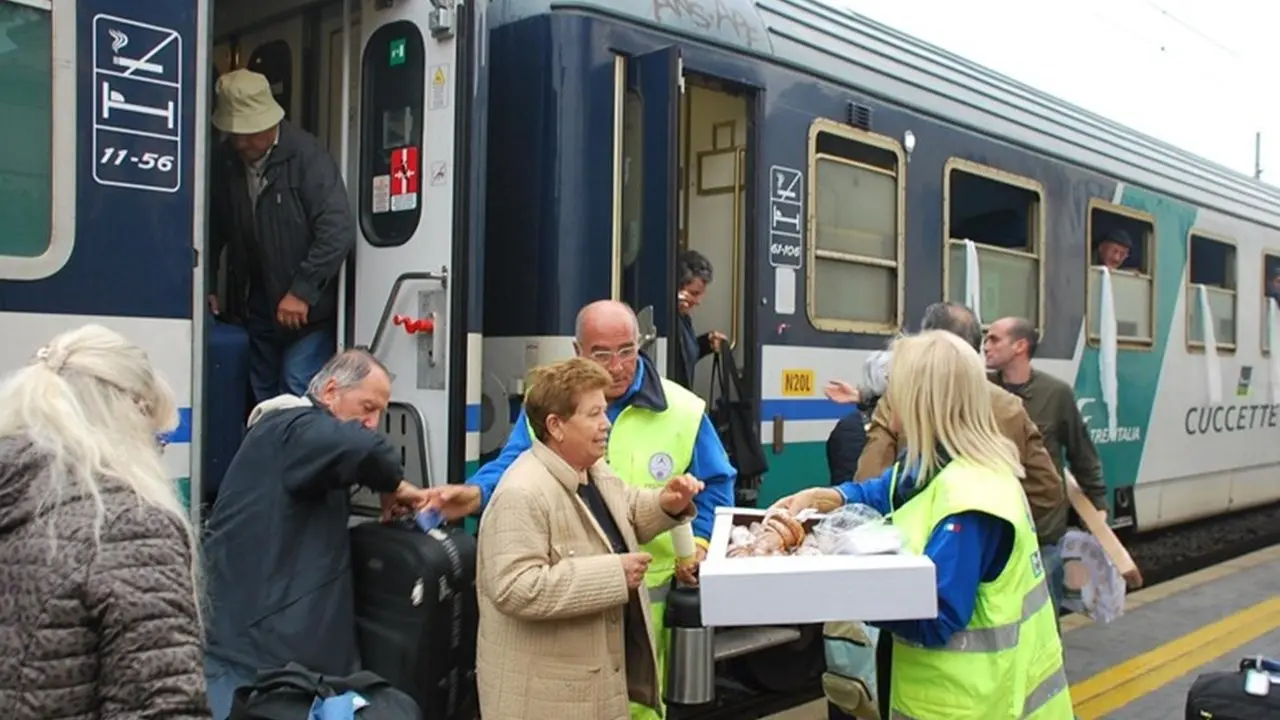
<point x="659" y="430"/>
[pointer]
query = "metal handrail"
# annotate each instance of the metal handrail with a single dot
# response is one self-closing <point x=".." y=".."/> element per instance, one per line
<point x="379" y="333"/>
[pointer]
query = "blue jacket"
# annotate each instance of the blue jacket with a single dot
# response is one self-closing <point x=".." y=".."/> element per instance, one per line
<point x="967" y="549"/>
<point x="276" y="547"/>
<point x="710" y="462"/>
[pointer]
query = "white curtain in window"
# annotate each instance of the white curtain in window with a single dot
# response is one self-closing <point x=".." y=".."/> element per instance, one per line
<point x="1273" y="334"/>
<point x="1212" y="364"/>
<point x="1107" y="350"/>
<point x="972" y="279"/>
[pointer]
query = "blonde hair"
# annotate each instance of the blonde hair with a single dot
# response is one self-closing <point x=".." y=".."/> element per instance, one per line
<point x="88" y="410"/>
<point x="941" y="397"/>
<point x="555" y="389"/>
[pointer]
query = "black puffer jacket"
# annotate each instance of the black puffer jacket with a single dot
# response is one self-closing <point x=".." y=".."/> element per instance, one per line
<point x="89" y="632"/>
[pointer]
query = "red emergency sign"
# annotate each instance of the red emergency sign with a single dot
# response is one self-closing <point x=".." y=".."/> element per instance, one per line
<point x="404" y="171"/>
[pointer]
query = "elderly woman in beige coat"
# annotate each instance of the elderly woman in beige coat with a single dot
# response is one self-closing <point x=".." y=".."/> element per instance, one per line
<point x="564" y="634"/>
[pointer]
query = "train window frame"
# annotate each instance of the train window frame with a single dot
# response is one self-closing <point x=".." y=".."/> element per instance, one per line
<point x="813" y="253"/>
<point x="1267" y="253"/>
<point x="1036" y="234"/>
<point x="1150" y="242"/>
<point x="1190" y="294"/>
<point x="63" y="160"/>
<point x="373" y="134"/>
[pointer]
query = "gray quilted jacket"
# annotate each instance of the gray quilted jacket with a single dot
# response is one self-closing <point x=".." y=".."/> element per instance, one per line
<point x="94" y="633"/>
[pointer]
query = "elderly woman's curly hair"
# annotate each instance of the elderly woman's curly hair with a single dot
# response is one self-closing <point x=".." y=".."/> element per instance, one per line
<point x="556" y="388"/>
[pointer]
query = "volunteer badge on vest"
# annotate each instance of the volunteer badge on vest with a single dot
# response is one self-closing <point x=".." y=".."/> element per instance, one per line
<point x="1037" y="564"/>
<point x="660" y="466"/>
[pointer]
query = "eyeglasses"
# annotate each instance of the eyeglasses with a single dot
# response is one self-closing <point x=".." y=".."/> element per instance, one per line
<point x="625" y="353"/>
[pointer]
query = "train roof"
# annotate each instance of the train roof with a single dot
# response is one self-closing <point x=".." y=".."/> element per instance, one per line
<point x="853" y="50"/>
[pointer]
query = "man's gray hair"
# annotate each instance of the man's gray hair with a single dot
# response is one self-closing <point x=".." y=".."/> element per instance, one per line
<point x="347" y="369"/>
<point x="955" y="319"/>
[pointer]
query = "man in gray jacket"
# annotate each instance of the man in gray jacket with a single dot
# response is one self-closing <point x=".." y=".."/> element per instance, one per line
<point x="279" y="207"/>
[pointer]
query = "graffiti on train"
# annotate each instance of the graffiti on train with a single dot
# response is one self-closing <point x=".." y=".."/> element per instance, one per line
<point x="734" y="20"/>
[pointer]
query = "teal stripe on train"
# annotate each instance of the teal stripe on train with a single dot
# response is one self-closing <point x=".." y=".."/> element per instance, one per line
<point x="1138" y="371"/>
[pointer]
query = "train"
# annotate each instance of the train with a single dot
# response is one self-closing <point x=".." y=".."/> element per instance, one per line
<point x="839" y="174"/>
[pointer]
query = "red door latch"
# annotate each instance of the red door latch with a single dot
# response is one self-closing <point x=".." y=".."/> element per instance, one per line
<point x="413" y="326"/>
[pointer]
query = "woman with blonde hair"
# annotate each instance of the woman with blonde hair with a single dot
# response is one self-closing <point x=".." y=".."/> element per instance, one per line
<point x="100" y="612"/>
<point x="564" y="615"/>
<point x="993" y="652"/>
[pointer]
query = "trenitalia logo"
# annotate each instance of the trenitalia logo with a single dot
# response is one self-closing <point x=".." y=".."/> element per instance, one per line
<point x="1097" y="424"/>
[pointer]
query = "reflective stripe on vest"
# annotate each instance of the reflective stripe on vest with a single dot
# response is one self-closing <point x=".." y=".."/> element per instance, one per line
<point x="1000" y="637"/>
<point x="658" y="595"/>
<point x="1040" y="696"/>
<point x="1010" y="654"/>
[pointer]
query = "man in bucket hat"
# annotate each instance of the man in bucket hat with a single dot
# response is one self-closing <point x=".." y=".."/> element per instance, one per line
<point x="279" y="207"/>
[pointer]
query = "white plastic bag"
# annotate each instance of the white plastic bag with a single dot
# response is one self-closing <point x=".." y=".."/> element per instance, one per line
<point x="1094" y="586"/>
<point x="856" y="529"/>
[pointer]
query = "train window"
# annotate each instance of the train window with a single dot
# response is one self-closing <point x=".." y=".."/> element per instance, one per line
<point x="855" y="230"/>
<point x="1123" y="240"/>
<point x="26" y="131"/>
<point x="1211" y="263"/>
<point x="1270" y="290"/>
<point x="394" y="74"/>
<point x="1003" y="214"/>
<point x="274" y="61"/>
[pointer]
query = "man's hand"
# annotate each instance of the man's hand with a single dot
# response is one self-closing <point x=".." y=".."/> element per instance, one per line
<point x="678" y="493"/>
<point x="687" y="573"/>
<point x="634" y="566"/>
<point x="213" y="305"/>
<point x="839" y="391"/>
<point x="292" y="312"/>
<point x="455" y="502"/>
<point x="406" y="499"/>
<point x="716" y="338"/>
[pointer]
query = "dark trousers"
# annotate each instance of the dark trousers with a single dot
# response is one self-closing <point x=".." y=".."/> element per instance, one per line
<point x="282" y="361"/>
<point x="884" y="662"/>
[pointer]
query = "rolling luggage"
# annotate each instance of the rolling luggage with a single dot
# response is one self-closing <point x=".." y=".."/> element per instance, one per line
<point x="416" y="613"/>
<point x="1250" y="693"/>
<point x="226" y="401"/>
<point x="294" y="692"/>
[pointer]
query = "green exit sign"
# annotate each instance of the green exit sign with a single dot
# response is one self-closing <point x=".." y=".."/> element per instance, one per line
<point x="397" y="52"/>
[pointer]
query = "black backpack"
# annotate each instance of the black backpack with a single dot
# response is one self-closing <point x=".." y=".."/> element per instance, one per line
<point x="1244" y="694"/>
<point x="288" y="694"/>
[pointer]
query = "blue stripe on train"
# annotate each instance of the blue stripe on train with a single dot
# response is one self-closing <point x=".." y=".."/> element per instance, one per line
<point x="182" y="434"/>
<point x="803" y="409"/>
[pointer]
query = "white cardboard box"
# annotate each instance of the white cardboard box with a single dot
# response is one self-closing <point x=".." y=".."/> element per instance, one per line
<point x="789" y="590"/>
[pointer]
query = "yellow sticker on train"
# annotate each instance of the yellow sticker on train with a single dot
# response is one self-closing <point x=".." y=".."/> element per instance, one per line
<point x="797" y="383"/>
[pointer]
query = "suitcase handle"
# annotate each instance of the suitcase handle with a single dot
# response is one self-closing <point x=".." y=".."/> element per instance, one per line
<point x="1260" y="663"/>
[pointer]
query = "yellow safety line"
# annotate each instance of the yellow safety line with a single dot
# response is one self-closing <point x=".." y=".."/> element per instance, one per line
<point x="1120" y="685"/>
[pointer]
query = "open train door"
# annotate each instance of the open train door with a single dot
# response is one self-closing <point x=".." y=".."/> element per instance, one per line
<point x="407" y="297"/>
<point x="649" y="103"/>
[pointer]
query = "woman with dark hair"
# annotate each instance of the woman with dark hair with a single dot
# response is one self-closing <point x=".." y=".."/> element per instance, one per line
<point x="694" y="275"/>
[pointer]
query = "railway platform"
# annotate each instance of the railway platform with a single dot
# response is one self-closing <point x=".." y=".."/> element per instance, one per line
<point x="1141" y="666"/>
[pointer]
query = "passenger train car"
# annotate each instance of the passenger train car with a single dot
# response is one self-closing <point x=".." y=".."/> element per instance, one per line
<point x="512" y="160"/>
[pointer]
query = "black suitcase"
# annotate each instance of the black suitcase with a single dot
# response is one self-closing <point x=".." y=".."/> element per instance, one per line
<point x="1246" y="694"/>
<point x="416" y="613"/>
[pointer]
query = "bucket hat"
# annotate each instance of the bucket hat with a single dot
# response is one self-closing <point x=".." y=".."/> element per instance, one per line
<point x="245" y="104"/>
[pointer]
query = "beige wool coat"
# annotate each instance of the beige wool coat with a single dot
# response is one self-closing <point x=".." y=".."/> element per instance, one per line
<point x="561" y="636"/>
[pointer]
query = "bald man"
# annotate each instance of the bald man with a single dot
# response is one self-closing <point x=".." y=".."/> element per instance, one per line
<point x="659" y="430"/>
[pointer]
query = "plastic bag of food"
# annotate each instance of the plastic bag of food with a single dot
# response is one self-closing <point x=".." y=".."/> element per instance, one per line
<point x="856" y="529"/>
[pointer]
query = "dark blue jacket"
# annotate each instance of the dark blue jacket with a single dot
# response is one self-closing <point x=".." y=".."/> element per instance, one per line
<point x="276" y="550"/>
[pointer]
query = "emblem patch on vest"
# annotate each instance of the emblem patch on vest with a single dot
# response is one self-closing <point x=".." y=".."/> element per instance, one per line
<point x="660" y="466"/>
<point x="1037" y="564"/>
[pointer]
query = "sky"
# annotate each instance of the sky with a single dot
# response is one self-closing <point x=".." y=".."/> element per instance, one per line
<point x="1200" y="74"/>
